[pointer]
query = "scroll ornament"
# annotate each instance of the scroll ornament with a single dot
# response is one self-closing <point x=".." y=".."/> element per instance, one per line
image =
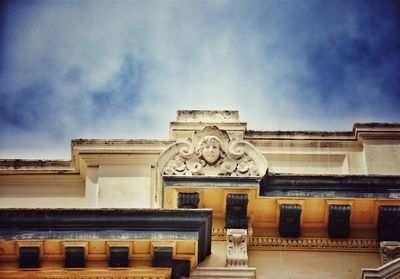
<point x="236" y="250"/>
<point x="212" y="157"/>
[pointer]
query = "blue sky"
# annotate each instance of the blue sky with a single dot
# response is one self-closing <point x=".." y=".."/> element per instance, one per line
<point x="121" y="69"/>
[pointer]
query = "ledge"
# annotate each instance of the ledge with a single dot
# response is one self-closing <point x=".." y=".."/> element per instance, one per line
<point x="109" y="223"/>
<point x="330" y="186"/>
<point x="223" y="181"/>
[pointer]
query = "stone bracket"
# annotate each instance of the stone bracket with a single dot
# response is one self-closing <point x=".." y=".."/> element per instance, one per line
<point x="180" y="268"/>
<point x="119" y="256"/>
<point x="236" y="248"/>
<point x="289" y="220"/>
<point x="339" y="221"/>
<point x="162" y="256"/>
<point x="389" y="223"/>
<point x="236" y="211"/>
<point x="74" y="257"/>
<point x="188" y="200"/>
<point x="29" y="257"/>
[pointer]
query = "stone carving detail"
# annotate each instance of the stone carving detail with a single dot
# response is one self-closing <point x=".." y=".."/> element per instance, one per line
<point x="390" y="250"/>
<point x="218" y="233"/>
<point x="236" y="250"/>
<point x="261" y="242"/>
<point x="212" y="152"/>
<point x="319" y="244"/>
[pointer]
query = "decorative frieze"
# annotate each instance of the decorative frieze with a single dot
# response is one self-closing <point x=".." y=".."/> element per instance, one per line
<point x="390" y="250"/>
<point x="188" y="200"/>
<point x="236" y="211"/>
<point x="319" y="244"/>
<point x="289" y="220"/>
<point x="218" y="233"/>
<point x="339" y="221"/>
<point x="236" y="248"/>
<point x="389" y="223"/>
<point x="211" y="152"/>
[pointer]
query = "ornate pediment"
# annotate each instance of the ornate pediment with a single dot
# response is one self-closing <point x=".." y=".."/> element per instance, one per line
<point x="211" y="152"/>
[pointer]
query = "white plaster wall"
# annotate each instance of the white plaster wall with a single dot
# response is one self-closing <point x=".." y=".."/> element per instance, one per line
<point x="124" y="186"/>
<point x="42" y="202"/>
<point x="306" y="163"/>
<point x="356" y="163"/>
<point x="299" y="264"/>
<point x="92" y="187"/>
<point x="41" y="191"/>
<point x="311" y="264"/>
<point x="382" y="157"/>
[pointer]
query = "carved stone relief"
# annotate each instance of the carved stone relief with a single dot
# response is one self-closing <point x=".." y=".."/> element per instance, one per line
<point x="211" y="152"/>
<point x="390" y="250"/>
<point x="236" y="250"/>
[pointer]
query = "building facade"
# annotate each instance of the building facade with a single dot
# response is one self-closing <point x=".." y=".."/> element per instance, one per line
<point x="215" y="200"/>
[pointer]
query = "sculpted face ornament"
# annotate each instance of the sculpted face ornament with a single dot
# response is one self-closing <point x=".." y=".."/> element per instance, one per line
<point x="211" y="152"/>
<point x="210" y="149"/>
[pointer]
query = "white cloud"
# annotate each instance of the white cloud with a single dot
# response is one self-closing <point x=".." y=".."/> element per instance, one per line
<point x="192" y="55"/>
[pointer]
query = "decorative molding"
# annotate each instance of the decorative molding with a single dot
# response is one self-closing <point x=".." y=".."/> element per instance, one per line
<point x="188" y="200"/>
<point x="390" y="250"/>
<point x="390" y="270"/>
<point x="210" y="152"/>
<point x="319" y="244"/>
<point x="218" y="233"/>
<point x="339" y="221"/>
<point x="389" y="223"/>
<point x="224" y="272"/>
<point x="323" y="244"/>
<point x="236" y="248"/>
<point x="289" y="220"/>
<point x="236" y="211"/>
<point x="89" y="273"/>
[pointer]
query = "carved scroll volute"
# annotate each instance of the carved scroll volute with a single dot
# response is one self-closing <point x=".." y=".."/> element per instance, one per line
<point x="389" y="250"/>
<point x="210" y="152"/>
<point x="236" y="250"/>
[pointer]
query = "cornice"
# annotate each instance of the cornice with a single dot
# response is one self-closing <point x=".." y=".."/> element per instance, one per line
<point x="378" y="130"/>
<point x="340" y="185"/>
<point x="90" y="152"/>
<point x="108" y="223"/>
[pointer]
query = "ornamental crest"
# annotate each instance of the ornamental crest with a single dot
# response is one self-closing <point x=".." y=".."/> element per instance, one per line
<point x="211" y="152"/>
